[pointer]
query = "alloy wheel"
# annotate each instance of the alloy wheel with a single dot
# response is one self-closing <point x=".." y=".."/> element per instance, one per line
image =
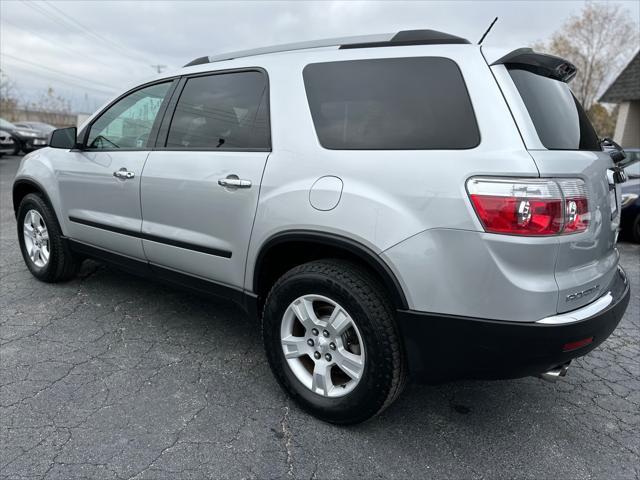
<point x="322" y="345"/>
<point x="36" y="238"/>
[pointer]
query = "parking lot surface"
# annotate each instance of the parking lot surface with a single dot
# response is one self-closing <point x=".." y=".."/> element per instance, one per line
<point x="110" y="376"/>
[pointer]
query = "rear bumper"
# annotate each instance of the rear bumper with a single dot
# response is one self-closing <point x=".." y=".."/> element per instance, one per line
<point x="445" y="347"/>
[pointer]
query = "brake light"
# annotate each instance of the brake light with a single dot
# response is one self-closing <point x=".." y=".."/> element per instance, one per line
<point x="532" y="207"/>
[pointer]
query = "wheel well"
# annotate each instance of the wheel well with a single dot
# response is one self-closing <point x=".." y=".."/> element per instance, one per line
<point x="21" y="190"/>
<point x="282" y="254"/>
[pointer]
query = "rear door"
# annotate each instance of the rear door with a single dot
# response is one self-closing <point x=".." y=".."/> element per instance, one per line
<point x="563" y="143"/>
<point x="201" y="183"/>
<point x="100" y="184"/>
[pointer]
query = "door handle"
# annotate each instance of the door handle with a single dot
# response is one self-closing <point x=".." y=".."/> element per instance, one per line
<point x="123" y="173"/>
<point x="232" y="181"/>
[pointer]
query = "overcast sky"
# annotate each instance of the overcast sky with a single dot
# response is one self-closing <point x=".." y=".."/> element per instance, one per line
<point x="90" y="50"/>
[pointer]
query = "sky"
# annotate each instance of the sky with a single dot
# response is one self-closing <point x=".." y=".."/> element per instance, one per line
<point x="89" y="51"/>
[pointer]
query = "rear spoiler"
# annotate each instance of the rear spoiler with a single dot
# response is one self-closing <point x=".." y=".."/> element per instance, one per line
<point x="539" y="63"/>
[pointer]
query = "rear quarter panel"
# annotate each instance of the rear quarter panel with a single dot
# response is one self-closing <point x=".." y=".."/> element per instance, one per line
<point x="388" y="195"/>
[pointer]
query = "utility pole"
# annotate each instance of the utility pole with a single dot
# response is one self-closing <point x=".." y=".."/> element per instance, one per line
<point x="159" y="68"/>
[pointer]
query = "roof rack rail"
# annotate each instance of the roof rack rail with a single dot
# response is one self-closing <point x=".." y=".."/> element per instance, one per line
<point x="405" y="37"/>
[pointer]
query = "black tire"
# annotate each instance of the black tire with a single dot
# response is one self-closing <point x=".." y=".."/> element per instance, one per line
<point x="365" y="299"/>
<point x="635" y="230"/>
<point x="62" y="265"/>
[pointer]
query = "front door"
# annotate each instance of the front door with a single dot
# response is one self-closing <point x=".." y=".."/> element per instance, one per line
<point x="100" y="185"/>
<point x="200" y="185"/>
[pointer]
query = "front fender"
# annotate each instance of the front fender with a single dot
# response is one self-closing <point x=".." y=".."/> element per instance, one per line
<point x="36" y="172"/>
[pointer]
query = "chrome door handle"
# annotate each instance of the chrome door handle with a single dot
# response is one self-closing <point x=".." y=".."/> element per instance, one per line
<point x="232" y="181"/>
<point x="123" y="173"/>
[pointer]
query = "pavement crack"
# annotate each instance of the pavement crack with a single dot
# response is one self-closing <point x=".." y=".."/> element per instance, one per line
<point x="288" y="440"/>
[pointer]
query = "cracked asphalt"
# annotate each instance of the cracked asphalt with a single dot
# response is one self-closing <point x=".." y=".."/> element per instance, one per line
<point x="113" y="377"/>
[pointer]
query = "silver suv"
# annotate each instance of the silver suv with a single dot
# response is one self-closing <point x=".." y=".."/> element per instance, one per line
<point x="388" y="206"/>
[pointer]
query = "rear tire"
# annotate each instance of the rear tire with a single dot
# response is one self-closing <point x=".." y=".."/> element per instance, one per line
<point x="45" y="253"/>
<point x="635" y="230"/>
<point x="372" y="340"/>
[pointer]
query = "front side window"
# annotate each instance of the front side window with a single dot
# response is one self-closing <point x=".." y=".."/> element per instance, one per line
<point x="417" y="103"/>
<point x="222" y="111"/>
<point x="558" y="117"/>
<point x="128" y="122"/>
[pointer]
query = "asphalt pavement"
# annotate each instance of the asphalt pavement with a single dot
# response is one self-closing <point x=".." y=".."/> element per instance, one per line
<point x="113" y="377"/>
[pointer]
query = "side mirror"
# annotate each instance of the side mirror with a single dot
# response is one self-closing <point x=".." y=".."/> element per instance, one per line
<point x="66" y="138"/>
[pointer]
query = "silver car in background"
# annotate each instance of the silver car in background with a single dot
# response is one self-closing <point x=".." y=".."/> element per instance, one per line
<point x="389" y="206"/>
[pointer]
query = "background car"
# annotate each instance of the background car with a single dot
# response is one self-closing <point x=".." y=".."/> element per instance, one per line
<point x="7" y="143"/>
<point x="41" y="127"/>
<point x="630" y="213"/>
<point x="27" y="139"/>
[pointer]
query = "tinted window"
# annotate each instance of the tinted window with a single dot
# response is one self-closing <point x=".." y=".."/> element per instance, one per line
<point x="395" y="103"/>
<point x="559" y="119"/>
<point x="128" y="122"/>
<point x="221" y="111"/>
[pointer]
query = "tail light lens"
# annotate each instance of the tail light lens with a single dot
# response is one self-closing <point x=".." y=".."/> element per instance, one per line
<point x="576" y="206"/>
<point x="533" y="207"/>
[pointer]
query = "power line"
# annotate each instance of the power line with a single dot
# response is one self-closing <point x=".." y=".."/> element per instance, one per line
<point x="62" y="18"/>
<point x="57" y="44"/>
<point x="73" y="21"/>
<point x="75" y="77"/>
<point x="61" y="81"/>
<point x="58" y="81"/>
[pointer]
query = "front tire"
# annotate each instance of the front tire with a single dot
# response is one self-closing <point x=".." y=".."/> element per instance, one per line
<point x="332" y="341"/>
<point x="44" y="252"/>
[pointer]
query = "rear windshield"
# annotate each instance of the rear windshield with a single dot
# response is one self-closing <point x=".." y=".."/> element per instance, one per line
<point x="391" y="104"/>
<point x="559" y="118"/>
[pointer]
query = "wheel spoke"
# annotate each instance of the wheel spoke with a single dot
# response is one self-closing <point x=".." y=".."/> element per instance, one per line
<point x="321" y="382"/>
<point x="28" y="229"/>
<point x="303" y="309"/>
<point x="34" y="219"/>
<point x="294" y="347"/>
<point x="350" y="364"/>
<point x="339" y="320"/>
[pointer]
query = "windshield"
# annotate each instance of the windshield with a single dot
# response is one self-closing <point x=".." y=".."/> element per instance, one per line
<point x="559" y="118"/>
<point x="5" y="124"/>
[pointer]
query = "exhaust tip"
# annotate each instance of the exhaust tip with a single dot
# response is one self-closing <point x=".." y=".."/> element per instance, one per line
<point x="555" y="373"/>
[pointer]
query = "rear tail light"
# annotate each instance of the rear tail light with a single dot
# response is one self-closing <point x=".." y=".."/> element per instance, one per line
<point x="533" y="207"/>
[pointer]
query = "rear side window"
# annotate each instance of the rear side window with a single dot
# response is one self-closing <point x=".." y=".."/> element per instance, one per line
<point x="222" y="111"/>
<point x="559" y="118"/>
<point x="418" y="103"/>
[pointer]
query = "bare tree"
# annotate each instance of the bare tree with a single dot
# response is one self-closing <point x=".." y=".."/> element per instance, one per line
<point x="50" y="102"/>
<point x="8" y="100"/>
<point x="598" y="41"/>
